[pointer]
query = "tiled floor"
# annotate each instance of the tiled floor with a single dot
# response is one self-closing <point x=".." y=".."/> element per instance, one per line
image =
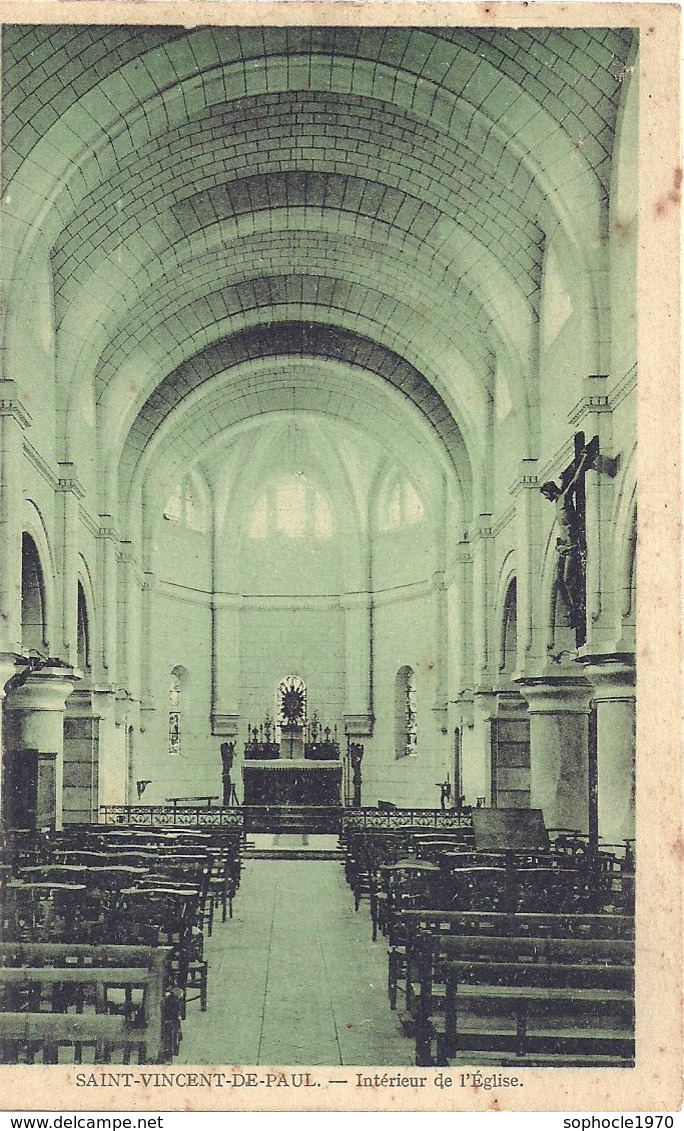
<point x="294" y="978"/>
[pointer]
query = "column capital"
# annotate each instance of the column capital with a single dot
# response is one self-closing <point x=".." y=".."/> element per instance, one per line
<point x="68" y="481"/>
<point x="559" y="695"/>
<point x="510" y="702"/>
<point x="127" y="554"/>
<point x="612" y="674"/>
<point x="594" y="398"/>
<point x="527" y="478"/>
<point x="359" y="725"/>
<point x="150" y="582"/>
<point x="481" y="527"/>
<point x="102" y="700"/>
<point x="45" y="690"/>
<point x="8" y="666"/>
<point x="225" y="724"/>
<point x="10" y="403"/>
<point x="107" y="529"/>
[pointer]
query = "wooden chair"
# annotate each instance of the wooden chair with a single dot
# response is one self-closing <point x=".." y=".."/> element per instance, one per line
<point x="39" y="983"/>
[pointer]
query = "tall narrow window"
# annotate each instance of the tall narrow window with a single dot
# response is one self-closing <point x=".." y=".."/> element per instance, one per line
<point x="401" y="506"/>
<point x="175" y="714"/>
<point x="33" y="627"/>
<point x="185" y="506"/>
<point x="406" y="713"/>
<point x="290" y="508"/>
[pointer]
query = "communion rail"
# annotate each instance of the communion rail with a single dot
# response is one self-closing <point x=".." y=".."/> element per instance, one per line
<point x="176" y="816"/>
<point x="281" y="818"/>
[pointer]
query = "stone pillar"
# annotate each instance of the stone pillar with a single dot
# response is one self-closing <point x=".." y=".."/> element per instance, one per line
<point x="458" y="609"/>
<point x="593" y="416"/>
<point x="482" y="550"/>
<point x="528" y="552"/>
<point x="441" y="671"/>
<point x="69" y="493"/>
<point x="477" y="749"/>
<point x="13" y="421"/>
<point x="358" y="709"/>
<point x="612" y="679"/>
<point x="112" y="770"/>
<point x="7" y="670"/>
<point x="35" y="719"/>
<point x="225" y="664"/>
<point x="559" y="749"/>
<point x="105" y="663"/>
<point x="148" y="656"/>
<point x="81" y="761"/>
<point x="130" y="617"/>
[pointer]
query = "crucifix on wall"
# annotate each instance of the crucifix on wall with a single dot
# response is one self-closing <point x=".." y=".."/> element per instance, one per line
<point x="569" y="498"/>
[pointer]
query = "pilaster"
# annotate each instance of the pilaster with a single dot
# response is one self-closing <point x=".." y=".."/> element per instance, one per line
<point x="14" y="420"/>
<point x="69" y="493"/>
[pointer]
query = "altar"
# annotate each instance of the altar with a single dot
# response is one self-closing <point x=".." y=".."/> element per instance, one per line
<point x="302" y="769"/>
<point x="289" y="781"/>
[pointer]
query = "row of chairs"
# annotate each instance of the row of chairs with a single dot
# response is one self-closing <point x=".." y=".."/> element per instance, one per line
<point x="152" y="891"/>
<point x="396" y="868"/>
<point x="520" y="957"/>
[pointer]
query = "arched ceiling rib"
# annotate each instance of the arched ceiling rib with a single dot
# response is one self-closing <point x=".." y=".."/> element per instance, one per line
<point x="294" y="340"/>
<point x="387" y="189"/>
<point x="199" y="429"/>
<point x="463" y="275"/>
<point x="377" y="161"/>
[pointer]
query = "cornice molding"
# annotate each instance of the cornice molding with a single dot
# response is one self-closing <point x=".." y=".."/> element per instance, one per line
<point x="41" y="465"/>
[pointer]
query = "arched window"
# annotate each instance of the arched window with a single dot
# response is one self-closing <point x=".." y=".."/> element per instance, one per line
<point x="176" y="686"/>
<point x="83" y="636"/>
<point x="184" y="507"/>
<point x="290" y="508"/>
<point x="32" y="597"/>
<point x="291" y="701"/>
<point x="402" y="506"/>
<point x="405" y="711"/>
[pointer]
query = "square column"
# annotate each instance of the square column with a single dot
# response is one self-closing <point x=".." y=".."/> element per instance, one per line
<point x="559" y="748"/>
<point x="612" y="679"/>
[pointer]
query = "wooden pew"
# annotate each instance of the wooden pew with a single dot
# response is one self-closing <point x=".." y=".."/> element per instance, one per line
<point x="539" y="1014"/>
<point x="425" y="955"/>
<point x="40" y="982"/>
<point x="406" y="925"/>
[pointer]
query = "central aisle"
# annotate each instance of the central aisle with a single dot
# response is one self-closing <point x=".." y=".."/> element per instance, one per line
<point x="294" y="978"/>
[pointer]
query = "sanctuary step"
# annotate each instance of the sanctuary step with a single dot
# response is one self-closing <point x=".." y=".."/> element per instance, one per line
<point x="292" y="846"/>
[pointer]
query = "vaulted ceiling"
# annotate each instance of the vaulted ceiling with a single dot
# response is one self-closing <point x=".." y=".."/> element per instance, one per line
<point x="223" y="203"/>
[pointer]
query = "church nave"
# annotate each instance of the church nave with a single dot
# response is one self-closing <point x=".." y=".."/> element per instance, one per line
<point x="294" y="978"/>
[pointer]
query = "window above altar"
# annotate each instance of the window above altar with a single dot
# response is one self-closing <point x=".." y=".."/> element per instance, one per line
<point x="186" y="507"/>
<point x="401" y="505"/>
<point x="292" y="508"/>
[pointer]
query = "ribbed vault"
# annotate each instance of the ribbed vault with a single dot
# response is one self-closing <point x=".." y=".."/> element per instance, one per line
<point x="294" y="367"/>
